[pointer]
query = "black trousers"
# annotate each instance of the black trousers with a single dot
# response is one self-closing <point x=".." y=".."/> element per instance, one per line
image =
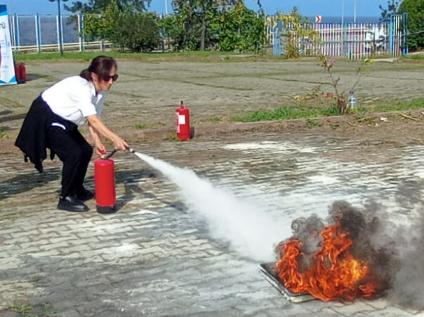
<point x="75" y="153"/>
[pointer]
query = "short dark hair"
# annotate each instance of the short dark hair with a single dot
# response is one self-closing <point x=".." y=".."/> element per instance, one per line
<point x="100" y="65"/>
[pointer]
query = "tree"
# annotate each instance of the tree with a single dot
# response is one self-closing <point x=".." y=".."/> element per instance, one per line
<point x="415" y="10"/>
<point x="136" y="31"/>
<point x="295" y="29"/>
<point x="99" y="6"/>
<point x="170" y="30"/>
<point x="133" y="30"/>
<point x="195" y="17"/>
<point x="102" y="26"/>
<point x="392" y="8"/>
<point x="239" y="29"/>
<point x="192" y="19"/>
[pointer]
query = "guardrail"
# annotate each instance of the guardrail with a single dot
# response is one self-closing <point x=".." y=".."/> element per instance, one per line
<point x="94" y="45"/>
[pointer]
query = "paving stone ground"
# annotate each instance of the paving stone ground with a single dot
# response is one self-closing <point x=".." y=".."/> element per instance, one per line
<point x="156" y="257"/>
<point x="160" y="256"/>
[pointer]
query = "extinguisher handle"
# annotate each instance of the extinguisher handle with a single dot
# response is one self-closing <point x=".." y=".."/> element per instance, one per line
<point x="107" y="156"/>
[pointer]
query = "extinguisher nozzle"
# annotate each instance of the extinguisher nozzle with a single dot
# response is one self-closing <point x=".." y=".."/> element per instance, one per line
<point x="131" y="150"/>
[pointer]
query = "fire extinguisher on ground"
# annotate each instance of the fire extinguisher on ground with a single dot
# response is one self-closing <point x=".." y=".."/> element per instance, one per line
<point x="20" y="72"/>
<point x="104" y="179"/>
<point x="183" y="122"/>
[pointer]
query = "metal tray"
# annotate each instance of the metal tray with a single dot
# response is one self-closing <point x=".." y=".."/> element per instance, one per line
<point x="268" y="269"/>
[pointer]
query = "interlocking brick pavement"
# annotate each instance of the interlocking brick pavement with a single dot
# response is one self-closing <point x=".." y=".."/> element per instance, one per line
<point x="157" y="257"/>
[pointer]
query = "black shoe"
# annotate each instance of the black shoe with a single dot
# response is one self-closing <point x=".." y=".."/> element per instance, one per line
<point x="71" y="203"/>
<point x="85" y="194"/>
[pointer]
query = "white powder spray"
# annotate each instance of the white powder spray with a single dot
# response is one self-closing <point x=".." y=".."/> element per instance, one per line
<point x="247" y="227"/>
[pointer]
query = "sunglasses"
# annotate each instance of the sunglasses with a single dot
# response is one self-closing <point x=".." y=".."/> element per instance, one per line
<point x="108" y="77"/>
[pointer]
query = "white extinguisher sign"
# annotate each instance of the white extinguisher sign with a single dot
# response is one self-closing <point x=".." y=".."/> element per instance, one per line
<point x="181" y="119"/>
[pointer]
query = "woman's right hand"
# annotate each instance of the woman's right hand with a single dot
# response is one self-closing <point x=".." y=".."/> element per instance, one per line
<point x="120" y="144"/>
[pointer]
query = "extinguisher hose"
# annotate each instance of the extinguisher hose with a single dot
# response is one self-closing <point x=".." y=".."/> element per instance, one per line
<point x="114" y="151"/>
<point x="109" y="155"/>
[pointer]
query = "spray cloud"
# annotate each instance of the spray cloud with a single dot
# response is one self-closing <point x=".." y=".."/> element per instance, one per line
<point x="249" y="230"/>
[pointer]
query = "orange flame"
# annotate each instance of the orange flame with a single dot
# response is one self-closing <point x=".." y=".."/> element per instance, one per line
<point x="334" y="272"/>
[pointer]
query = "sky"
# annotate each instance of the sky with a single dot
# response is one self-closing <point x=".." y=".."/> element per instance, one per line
<point x="306" y="7"/>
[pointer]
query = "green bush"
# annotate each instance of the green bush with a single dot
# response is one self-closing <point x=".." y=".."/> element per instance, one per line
<point x="415" y="10"/>
<point x="239" y="29"/>
<point x="136" y="31"/>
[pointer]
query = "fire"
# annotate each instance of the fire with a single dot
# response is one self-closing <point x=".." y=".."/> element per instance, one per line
<point x="333" y="272"/>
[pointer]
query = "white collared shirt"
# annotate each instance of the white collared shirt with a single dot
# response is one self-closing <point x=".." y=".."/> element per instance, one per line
<point x="74" y="98"/>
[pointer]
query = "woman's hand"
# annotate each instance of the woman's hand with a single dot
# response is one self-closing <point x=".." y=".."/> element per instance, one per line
<point x="100" y="149"/>
<point x="101" y="129"/>
<point x="120" y="144"/>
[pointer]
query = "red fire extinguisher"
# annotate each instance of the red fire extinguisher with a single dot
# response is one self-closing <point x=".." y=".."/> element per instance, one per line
<point x="20" y="72"/>
<point x="104" y="179"/>
<point x="183" y="122"/>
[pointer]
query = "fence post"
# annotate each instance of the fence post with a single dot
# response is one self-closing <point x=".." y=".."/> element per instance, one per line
<point x="405" y="34"/>
<point x="37" y="32"/>
<point x="391" y="35"/>
<point x="276" y="47"/>
<point x="17" y="40"/>
<point x="342" y="40"/>
<point x="59" y="33"/>
<point x="81" y="32"/>
<point x="12" y="30"/>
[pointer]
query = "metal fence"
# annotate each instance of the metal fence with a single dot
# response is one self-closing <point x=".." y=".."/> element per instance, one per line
<point x="37" y="33"/>
<point x="353" y="40"/>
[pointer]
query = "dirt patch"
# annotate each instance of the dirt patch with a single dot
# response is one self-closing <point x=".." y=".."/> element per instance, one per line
<point x="141" y="105"/>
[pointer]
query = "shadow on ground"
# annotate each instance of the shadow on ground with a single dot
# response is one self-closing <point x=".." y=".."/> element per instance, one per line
<point x="133" y="190"/>
<point x="27" y="181"/>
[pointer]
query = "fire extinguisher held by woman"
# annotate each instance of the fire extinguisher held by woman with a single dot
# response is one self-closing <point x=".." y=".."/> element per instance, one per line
<point x="52" y="123"/>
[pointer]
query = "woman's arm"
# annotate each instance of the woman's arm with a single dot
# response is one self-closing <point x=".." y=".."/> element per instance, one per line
<point x="100" y="129"/>
<point x="98" y="144"/>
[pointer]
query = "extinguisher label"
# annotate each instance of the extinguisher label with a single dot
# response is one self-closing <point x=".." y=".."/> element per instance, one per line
<point x="181" y="119"/>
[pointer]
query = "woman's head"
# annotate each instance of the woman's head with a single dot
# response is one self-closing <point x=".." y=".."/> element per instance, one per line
<point x="102" y="71"/>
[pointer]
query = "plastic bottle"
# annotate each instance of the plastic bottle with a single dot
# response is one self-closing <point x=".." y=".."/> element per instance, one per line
<point x="352" y="101"/>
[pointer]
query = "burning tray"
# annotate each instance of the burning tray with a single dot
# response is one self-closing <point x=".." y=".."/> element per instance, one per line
<point x="271" y="276"/>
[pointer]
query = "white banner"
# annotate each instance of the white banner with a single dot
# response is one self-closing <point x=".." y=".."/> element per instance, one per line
<point x="7" y="68"/>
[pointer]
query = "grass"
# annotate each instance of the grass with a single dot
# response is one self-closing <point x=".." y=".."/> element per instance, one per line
<point x="397" y="106"/>
<point x="3" y="133"/>
<point x="26" y="310"/>
<point x="285" y="113"/>
<point x="204" y="56"/>
<point x="418" y="57"/>
<point x="140" y="126"/>
<point x="299" y="112"/>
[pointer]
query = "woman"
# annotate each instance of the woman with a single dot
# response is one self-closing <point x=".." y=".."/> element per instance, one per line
<point x="52" y="122"/>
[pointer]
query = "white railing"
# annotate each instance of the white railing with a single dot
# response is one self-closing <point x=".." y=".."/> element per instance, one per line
<point x="94" y="45"/>
<point x="353" y="40"/>
<point x="40" y="33"/>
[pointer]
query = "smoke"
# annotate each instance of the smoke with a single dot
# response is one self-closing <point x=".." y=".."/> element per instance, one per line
<point x="243" y="224"/>
<point x="394" y="252"/>
<point x="408" y="285"/>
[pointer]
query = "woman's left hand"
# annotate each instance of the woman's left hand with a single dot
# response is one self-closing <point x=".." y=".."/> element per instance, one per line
<point x="100" y="149"/>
